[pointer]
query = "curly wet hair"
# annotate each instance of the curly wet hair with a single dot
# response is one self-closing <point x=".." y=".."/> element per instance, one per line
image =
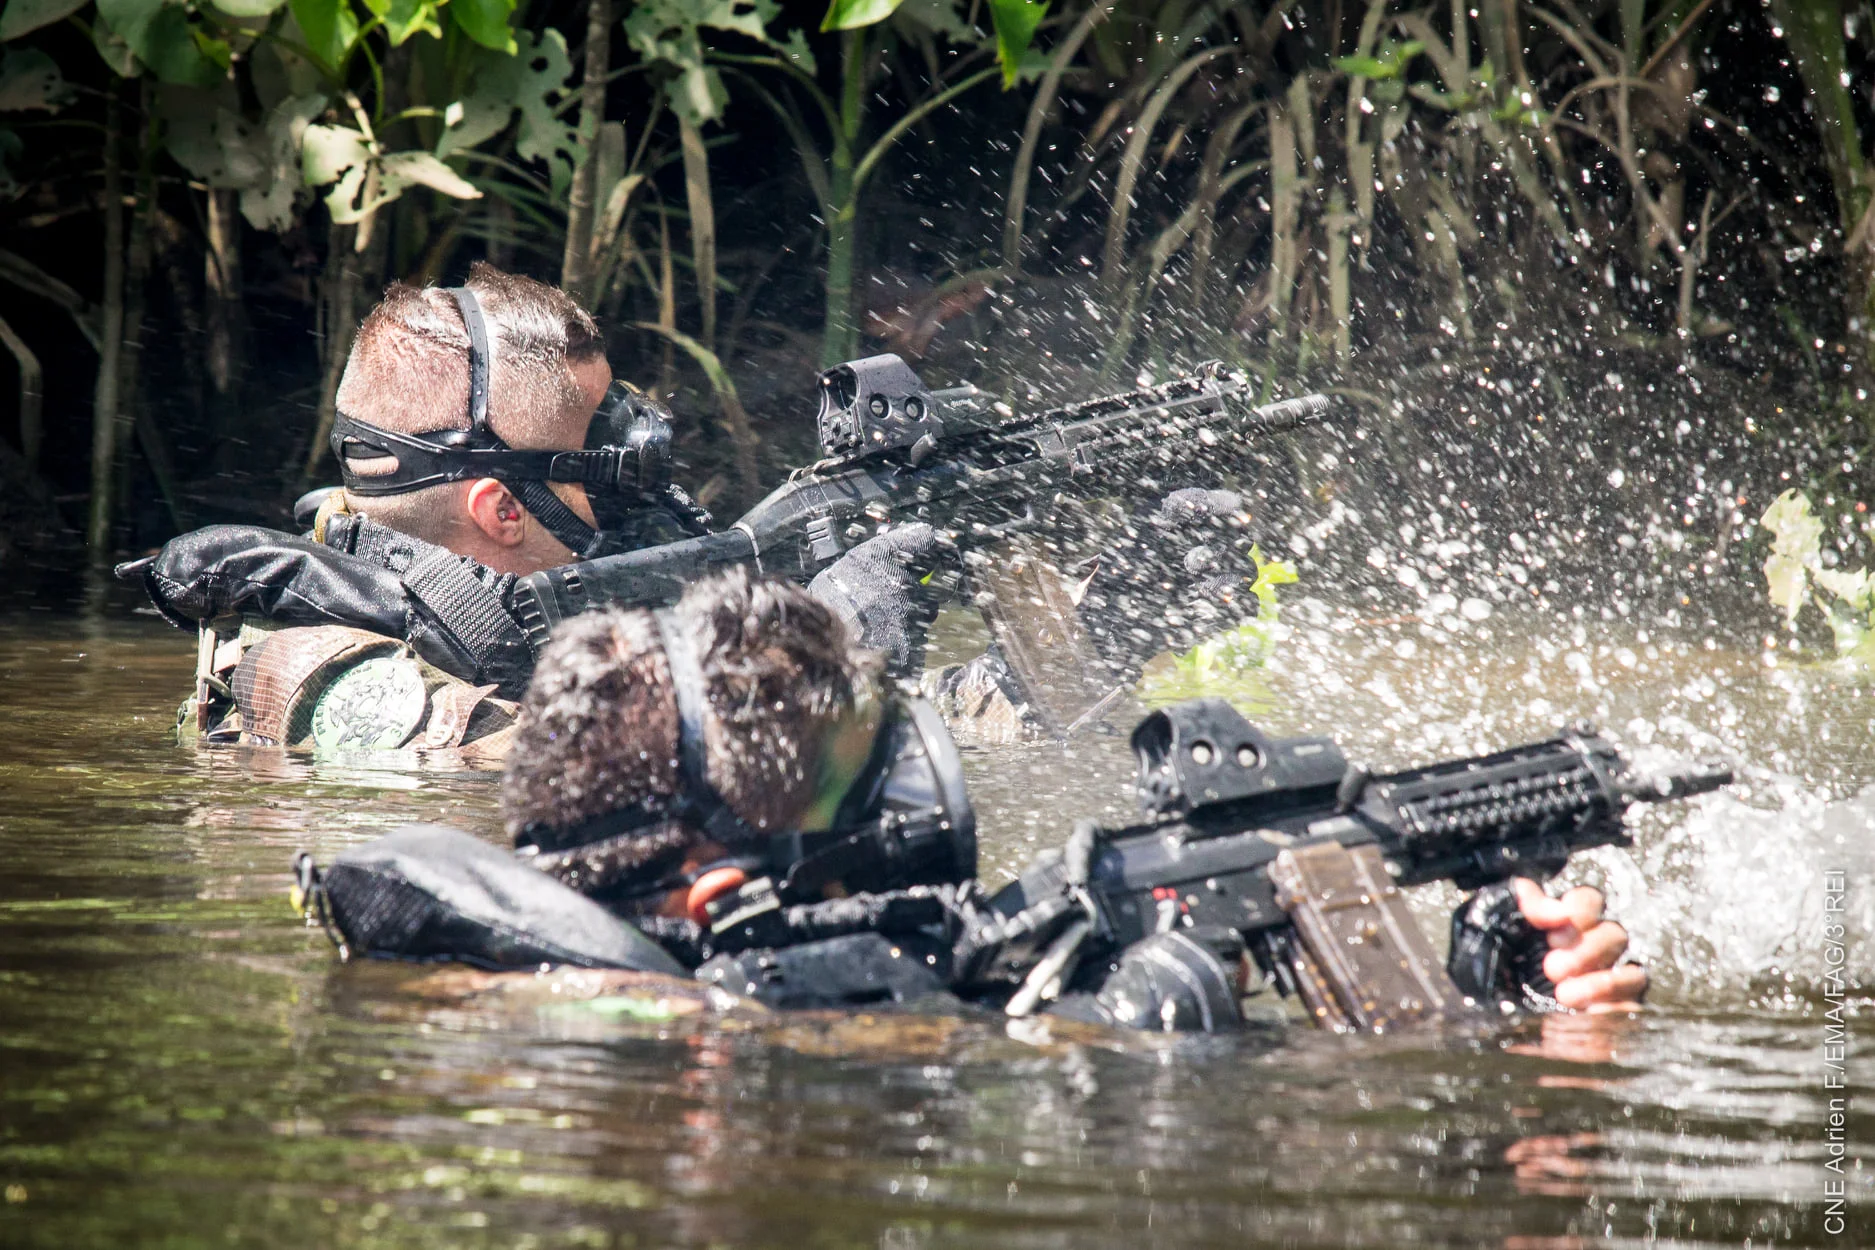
<point x="598" y="729"/>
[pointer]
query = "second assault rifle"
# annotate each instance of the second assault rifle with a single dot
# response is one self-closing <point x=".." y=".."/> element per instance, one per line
<point x="894" y="450"/>
<point x="1282" y="848"/>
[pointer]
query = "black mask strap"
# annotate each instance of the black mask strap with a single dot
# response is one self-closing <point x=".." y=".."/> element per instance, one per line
<point x="462" y="455"/>
<point x="536" y="496"/>
<point x="706" y="807"/>
<point x="479" y="357"/>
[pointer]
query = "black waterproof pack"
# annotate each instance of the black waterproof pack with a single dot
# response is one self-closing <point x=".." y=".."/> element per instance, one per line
<point x="432" y="892"/>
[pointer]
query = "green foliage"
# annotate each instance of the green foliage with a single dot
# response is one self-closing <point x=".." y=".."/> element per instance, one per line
<point x="22" y="17"/>
<point x="670" y="33"/>
<point x="404" y="18"/>
<point x="1014" y="20"/>
<point x="30" y="80"/>
<point x="1795" y="565"/>
<point x="1389" y="61"/>
<point x="486" y="22"/>
<point x="529" y="84"/>
<point x="330" y="28"/>
<point x="853" y="14"/>
<point x="1231" y="664"/>
<point x="168" y="40"/>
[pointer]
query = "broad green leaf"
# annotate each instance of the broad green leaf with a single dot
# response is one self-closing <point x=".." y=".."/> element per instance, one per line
<point x="1853" y="587"/>
<point x="247" y="8"/>
<point x="269" y="205"/>
<point x="795" y="48"/>
<point x="1015" y="22"/>
<point x="115" y="52"/>
<point x="22" y="17"/>
<point x="697" y="95"/>
<point x="531" y="82"/>
<point x="167" y="43"/>
<point x="215" y="51"/>
<point x="330" y="28"/>
<point x="1365" y="67"/>
<point x="404" y="18"/>
<point x="486" y="22"/>
<point x="545" y="71"/>
<point x="29" y="79"/>
<point x="177" y="51"/>
<point x="342" y="200"/>
<point x="326" y="152"/>
<point x="279" y="74"/>
<point x="406" y="169"/>
<point x="1797" y="539"/>
<point x="852" y="14"/>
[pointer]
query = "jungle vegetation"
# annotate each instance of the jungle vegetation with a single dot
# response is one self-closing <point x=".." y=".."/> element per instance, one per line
<point x="200" y="198"/>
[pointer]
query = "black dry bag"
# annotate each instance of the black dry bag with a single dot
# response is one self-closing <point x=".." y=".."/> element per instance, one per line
<point x="432" y="892"/>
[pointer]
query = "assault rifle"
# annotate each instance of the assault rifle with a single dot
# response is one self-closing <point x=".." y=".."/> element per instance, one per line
<point x="894" y="450"/>
<point x="1282" y="847"/>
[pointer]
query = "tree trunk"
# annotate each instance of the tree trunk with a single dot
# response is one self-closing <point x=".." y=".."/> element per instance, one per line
<point x="338" y="321"/>
<point x="131" y="413"/>
<point x="702" y="224"/>
<point x="840" y="336"/>
<point x="32" y="395"/>
<point x="106" y="400"/>
<point x="576" y="265"/>
<point x="226" y="351"/>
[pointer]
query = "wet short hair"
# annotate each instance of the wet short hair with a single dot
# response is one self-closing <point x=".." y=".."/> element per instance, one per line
<point x="599" y="723"/>
<point x="409" y="371"/>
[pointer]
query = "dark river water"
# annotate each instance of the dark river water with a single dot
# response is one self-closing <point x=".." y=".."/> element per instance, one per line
<point x="182" y="1064"/>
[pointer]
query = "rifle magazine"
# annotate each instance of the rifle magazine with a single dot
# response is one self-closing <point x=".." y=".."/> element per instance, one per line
<point x="1363" y="947"/>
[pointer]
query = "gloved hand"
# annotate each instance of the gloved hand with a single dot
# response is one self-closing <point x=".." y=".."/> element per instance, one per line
<point x="1170" y="576"/>
<point x="1513" y="943"/>
<point x="878" y="589"/>
<point x="1177" y="982"/>
<point x="1497" y="955"/>
<point x="245" y="570"/>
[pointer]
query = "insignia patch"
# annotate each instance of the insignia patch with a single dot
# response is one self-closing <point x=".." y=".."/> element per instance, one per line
<point x="374" y="706"/>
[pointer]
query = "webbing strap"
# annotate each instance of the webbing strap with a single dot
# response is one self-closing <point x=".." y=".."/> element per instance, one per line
<point x="448" y="588"/>
<point x="449" y="591"/>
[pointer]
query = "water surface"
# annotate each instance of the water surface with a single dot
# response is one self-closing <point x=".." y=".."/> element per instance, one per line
<point x="182" y="1064"/>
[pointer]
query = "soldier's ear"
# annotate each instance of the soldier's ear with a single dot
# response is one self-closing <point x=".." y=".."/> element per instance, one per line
<point x="496" y="512"/>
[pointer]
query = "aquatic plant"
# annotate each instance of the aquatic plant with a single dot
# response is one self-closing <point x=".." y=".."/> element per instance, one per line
<point x="1230" y="664"/>
<point x="1796" y="574"/>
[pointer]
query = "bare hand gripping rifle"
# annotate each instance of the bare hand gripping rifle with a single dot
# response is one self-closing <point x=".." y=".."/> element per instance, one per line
<point x="895" y="451"/>
<point x="1281" y="847"/>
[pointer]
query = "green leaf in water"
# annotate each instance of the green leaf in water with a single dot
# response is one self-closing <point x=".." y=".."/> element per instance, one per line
<point x="1797" y="537"/>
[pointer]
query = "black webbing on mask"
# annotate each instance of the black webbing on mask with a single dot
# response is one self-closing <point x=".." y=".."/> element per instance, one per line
<point x="536" y="496"/>
<point x="707" y="808"/>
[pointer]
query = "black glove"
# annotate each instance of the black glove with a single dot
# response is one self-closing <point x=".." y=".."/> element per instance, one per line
<point x="1497" y="955"/>
<point x="1170" y="576"/>
<point x="877" y="589"/>
<point x="244" y="570"/>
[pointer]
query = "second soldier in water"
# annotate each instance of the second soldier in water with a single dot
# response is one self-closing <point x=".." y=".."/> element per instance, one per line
<point x="665" y="762"/>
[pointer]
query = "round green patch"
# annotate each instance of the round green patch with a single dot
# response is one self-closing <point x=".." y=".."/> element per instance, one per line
<point x="373" y="706"/>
